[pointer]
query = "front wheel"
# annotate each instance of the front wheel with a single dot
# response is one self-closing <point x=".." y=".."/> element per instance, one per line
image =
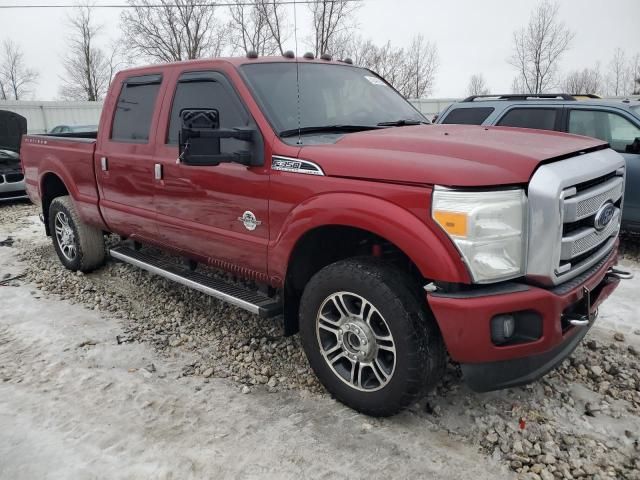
<point x="368" y="337"/>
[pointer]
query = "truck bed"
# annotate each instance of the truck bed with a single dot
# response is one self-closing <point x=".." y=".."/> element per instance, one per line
<point x="71" y="160"/>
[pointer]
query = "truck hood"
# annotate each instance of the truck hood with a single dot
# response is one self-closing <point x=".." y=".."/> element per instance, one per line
<point x="12" y="127"/>
<point x="451" y="155"/>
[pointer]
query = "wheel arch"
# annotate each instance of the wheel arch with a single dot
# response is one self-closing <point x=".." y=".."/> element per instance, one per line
<point x="369" y="226"/>
<point x="51" y="187"/>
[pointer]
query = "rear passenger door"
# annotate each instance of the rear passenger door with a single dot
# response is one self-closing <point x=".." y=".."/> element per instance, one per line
<point x="620" y="131"/>
<point x="543" y="117"/>
<point x="124" y="159"/>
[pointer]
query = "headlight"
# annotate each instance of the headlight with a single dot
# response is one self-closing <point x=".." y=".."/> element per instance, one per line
<point x="489" y="229"/>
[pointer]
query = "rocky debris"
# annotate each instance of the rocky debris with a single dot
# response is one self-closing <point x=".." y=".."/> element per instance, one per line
<point x="549" y="430"/>
<point x="229" y="342"/>
<point x="7" y="242"/>
<point x="618" y="337"/>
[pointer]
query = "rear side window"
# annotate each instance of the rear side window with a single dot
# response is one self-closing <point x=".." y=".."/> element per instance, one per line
<point x="468" y="116"/>
<point x="134" y="110"/>
<point x="207" y="90"/>
<point x="610" y="127"/>
<point x="539" y="118"/>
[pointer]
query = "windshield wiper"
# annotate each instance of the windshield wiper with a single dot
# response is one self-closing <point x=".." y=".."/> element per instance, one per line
<point x="402" y="123"/>
<point x="326" y="128"/>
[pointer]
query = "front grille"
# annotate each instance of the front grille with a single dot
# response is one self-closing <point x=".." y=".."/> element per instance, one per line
<point x="580" y="238"/>
<point x="565" y="199"/>
<point x="14" y="177"/>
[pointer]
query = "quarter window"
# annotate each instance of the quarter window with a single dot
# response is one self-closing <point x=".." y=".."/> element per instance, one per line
<point x="468" y="116"/>
<point x="610" y="127"/>
<point x="134" y="110"/>
<point x="538" y="118"/>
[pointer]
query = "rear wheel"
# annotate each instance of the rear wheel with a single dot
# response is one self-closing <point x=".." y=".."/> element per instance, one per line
<point x="368" y="336"/>
<point x="79" y="246"/>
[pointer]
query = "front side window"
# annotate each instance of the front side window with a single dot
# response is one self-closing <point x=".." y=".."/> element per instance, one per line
<point x="208" y="90"/>
<point x="610" y="127"/>
<point x="538" y="118"/>
<point x="329" y="95"/>
<point x="134" y="110"/>
<point x="468" y="116"/>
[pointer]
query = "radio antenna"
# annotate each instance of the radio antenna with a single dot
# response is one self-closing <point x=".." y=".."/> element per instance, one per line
<point x="295" y="36"/>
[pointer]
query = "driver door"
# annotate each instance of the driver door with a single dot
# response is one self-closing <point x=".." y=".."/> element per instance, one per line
<point x="200" y="209"/>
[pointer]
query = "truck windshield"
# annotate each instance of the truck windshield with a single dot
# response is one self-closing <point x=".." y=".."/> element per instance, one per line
<point x="333" y="98"/>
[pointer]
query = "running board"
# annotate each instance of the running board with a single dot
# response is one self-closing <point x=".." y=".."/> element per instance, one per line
<point x="246" y="299"/>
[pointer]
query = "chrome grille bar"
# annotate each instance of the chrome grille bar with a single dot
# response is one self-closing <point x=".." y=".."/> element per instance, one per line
<point x="588" y="202"/>
<point x="585" y="239"/>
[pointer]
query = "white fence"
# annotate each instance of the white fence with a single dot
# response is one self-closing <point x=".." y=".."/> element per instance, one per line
<point x="43" y="116"/>
<point x="432" y="106"/>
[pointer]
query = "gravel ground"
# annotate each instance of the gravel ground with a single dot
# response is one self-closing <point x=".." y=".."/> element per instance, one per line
<point x="581" y="421"/>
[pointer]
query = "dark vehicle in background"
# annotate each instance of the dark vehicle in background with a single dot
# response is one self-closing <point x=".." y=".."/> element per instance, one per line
<point x="614" y="121"/>
<point x="12" y="127"/>
<point x="62" y="129"/>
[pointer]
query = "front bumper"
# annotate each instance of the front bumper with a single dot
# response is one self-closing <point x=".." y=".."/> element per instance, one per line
<point x="465" y="322"/>
<point x="12" y="190"/>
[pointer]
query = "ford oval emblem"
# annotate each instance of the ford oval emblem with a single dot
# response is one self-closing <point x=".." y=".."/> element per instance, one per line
<point x="604" y="215"/>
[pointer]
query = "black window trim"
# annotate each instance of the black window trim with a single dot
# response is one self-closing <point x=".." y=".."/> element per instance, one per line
<point x="557" y="124"/>
<point x="138" y="80"/>
<point x="227" y="83"/>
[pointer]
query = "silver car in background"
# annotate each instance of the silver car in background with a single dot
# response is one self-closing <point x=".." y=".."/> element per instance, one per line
<point x="12" y="127"/>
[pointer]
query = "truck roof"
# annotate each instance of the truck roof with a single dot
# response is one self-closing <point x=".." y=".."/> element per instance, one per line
<point x="235" y="61"/>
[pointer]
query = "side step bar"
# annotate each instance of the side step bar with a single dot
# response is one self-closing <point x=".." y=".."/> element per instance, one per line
<point x="249" y="300"/>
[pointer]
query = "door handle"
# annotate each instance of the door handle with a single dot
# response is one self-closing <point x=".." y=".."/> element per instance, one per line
<point x="158" y="171"/>
<point x="104" y="163"/>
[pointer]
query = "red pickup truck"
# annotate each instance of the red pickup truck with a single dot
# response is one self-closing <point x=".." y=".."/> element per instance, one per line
<point x="386" y="242"/>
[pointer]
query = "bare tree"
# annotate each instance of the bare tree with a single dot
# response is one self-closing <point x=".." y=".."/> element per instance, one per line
<point x="538" y="48"/>
<point x="477" y="85"/>
<point x="617" y="80"/>
<point x="331" y="19"/>
<point x="273" y="12"/>
<point x="257" y="27"/>
<point x="411" y="71"/>
<point x="420" y="65"/>
<point x="16" y="80"/>
<point x="88" y="68"/>
<point x="634" y="75"/>
<point x="172" y="30"/>
<point x="585" y="81"/>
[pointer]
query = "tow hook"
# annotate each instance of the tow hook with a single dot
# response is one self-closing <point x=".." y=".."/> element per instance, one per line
<point x="614" y="272"/>
<point x="581" y="319"/>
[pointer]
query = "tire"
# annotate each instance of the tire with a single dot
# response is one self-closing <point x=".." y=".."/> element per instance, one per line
<point x="408" y="357"/>
<point x="79" y="246"/>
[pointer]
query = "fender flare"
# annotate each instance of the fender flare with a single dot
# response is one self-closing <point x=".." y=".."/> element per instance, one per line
<point x="429" y="249"/>
<point x="86" y="205"/>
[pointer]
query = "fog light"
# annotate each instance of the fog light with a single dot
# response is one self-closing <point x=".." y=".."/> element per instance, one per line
<point x="502" y="328"/>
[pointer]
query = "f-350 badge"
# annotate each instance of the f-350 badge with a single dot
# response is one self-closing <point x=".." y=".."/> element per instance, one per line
<point x="249" y="221"/>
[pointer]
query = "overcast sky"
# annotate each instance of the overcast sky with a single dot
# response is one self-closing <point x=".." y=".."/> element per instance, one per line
<point x="473" y="36"/>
